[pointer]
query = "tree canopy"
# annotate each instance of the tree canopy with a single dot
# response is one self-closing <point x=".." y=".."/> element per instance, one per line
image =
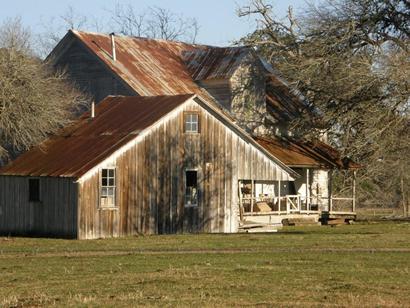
<point x="350" y="59"/>
<point x="35" y="101"/>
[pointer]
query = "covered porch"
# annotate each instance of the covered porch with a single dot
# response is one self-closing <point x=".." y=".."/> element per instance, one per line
<point x="258" y="198"/>
<point x="310" y="195"/>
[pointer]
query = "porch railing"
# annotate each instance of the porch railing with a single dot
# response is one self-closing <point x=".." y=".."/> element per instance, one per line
<point x="292" y="204"/>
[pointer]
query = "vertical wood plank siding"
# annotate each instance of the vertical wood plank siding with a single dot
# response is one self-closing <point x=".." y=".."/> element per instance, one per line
<point x="89" y="74"/>
<point x="54" y="216"/>
<point x="150" y="181"/>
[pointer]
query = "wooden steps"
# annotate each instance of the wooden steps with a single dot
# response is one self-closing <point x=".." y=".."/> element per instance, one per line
<point x="300" y="221"/>
<point x="252" y="227"/>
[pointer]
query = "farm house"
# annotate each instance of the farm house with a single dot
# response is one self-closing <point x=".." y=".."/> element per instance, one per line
<point x="166" y="164"/>
<point x="244" y="168"/>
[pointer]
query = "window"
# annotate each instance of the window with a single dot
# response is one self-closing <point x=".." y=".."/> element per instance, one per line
<point x="107" y="188"/>
<point x="33" y="190"/>
<point x="191" y="188"/>
<point x="191" y="121"/>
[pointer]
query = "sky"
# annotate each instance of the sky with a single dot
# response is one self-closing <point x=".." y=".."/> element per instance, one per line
<point x="219" y="24"/>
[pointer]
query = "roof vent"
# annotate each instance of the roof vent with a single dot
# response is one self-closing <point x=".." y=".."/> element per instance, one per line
<point x="114" y="56"/>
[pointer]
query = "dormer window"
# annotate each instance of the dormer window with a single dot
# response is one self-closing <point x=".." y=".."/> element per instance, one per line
<point x="191" y="122"/>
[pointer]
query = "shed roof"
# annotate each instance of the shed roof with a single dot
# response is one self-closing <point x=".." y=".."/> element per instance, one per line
<point x="86" y="143"/>
<point x="312" y="154"/>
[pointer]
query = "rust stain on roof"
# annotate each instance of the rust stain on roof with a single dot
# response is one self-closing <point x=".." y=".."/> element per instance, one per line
<point x="87" y="142"/>
<point x="214" y="62"/>
<point x="151" y="67"/>
<point x="315" y="154"/>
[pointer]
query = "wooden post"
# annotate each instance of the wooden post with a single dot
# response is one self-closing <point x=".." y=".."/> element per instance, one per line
<point x="279" y="195"/>
<point x="330" y="188"/>
<point x="307" y="190"/>
<point x="354" y="192"/>
<point x="252" y="193"/>
<point x="403" y="199"/>
<point x="240" y="201"/>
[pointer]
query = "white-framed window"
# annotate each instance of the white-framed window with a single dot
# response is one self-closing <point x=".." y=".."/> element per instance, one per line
<point x="191" y="187"/>
<point x="191" y="122"/>
<point x="107" y="187"/>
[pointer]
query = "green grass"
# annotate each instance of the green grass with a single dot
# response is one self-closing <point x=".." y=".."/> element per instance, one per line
<point x="353" y="265"/>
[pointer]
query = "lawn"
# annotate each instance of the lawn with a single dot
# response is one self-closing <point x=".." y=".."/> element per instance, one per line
<point x="352" y="265"/>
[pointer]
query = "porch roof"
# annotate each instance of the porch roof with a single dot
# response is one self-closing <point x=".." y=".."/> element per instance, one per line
<point x="309" y="154"/>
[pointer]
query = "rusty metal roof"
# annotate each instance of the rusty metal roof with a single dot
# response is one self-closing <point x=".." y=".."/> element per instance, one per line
<point x="214" y="62"/>
<point x="314" y="154"/>
<point x="150" y="66"/>
<point x="87" y="142"/>
<point x="281" y="103"/>
<point x="221" y="62"/>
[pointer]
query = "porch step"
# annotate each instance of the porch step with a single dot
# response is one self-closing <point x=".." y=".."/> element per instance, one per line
<point x="301" y="221"/>
<point x="251" y="227"/>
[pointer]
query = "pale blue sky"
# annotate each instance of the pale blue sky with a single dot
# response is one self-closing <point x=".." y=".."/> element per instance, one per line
<point x="217" y="18"/>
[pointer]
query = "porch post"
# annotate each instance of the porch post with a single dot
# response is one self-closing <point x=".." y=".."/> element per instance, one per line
<point x="240" y="201"/>
<point x="354" y="192"/>
<point x="330" y="188"/>
<point x="252" y="194"/>
<point x="279" y="196"/>
<point x="307" y="190"/>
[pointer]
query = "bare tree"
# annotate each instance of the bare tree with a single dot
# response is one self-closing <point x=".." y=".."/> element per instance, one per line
<point x="349" y="58"/>
<point x="167" y="25"/>
<point x="34" y="101"/>
<point x="154" y="22"/>
<point x="128" y="21"/>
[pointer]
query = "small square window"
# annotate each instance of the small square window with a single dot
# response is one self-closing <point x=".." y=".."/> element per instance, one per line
<point x="34" y="190"/>
<point x="191" y="123"/>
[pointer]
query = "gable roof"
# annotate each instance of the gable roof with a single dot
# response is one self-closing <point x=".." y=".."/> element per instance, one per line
<point x="153" y="67"/>
<point x="81" y="146"/>
<point x="312" y="154"/>
<point x="118" y="120"/>
<point x="150" y="67"/>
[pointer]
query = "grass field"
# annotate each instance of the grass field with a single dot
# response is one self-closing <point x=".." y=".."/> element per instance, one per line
<point x="353" y="265"/>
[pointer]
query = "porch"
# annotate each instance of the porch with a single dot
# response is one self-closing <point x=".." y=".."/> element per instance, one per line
<point x="273" y="201"/>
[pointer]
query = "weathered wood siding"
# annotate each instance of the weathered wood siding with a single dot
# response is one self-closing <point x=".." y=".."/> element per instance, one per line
<point x="150" y="180"/>
<point x="55" y="215"/>
<point x="90" y="74"/>
<point x="220" y="90"/>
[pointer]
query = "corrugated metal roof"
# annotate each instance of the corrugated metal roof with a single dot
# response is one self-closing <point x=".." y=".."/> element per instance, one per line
<point x="221" y="62"/>
<point x="281" y="103"/>
<point x="87" y="142"/>
<point x="305" y="154"/>
<point x="151" y="67"/>
<point x="159" y="67"/>
<point x="215" y="62"/>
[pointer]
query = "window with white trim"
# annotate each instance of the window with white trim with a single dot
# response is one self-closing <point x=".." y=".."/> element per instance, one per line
<point x="191" y="121"/>
<point x="107" y="187"/>
<point x="191" y="188"/>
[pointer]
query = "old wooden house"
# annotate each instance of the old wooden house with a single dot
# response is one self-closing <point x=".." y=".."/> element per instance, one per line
<point x="252" y="107"/>
<point x="162" y="164"/>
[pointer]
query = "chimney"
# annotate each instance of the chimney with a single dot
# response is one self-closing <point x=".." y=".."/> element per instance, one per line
<point x="92" y="110"/>
<point x="114" y="56"/>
